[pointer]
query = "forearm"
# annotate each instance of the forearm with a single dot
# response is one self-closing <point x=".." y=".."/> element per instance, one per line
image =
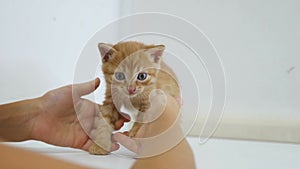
<point x="15" y="158"/>
<point x="179" y="157"/>
<point x="16" y="119"/>
<point x="168" y="132"/>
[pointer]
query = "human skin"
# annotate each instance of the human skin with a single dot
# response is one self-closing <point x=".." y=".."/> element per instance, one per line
<point x="52" y="118"/>
<point x="178" y="157"/>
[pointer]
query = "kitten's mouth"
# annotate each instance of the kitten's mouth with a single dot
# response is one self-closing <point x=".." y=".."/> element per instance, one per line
<point x="130" y="94"/>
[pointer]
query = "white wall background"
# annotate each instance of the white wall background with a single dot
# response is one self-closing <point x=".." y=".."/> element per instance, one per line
<point x="258" y="42"/>
<point x="41" y="41"/>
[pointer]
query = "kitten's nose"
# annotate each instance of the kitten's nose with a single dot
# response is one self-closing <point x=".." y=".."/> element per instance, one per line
<point x="131" y="89"/>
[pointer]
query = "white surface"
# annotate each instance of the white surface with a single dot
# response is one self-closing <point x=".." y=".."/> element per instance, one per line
<point x="236" y="154"/>
<point x="215" y="154"/>
<point x="79" y="156"/>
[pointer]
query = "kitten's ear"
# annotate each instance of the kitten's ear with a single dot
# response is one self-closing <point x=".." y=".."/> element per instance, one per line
<point x="155" y="53"/>
<point x="107" y="51"/>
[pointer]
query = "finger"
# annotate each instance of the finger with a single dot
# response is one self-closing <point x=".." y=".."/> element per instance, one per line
<point x="119" y="124"/>
<point x="87" y="87"/>
<point x="125" y="116"/>
<point x="126" y="133"/>
<point x="87" y="145"/>
<point x="114" y="147"/>
<point x="126" y="142"/>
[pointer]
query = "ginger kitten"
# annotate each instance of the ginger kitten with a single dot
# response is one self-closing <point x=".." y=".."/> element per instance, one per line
<point x="131" y="71"/>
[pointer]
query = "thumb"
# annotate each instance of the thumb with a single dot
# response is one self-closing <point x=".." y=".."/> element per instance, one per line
<point x="127" y="142"/>
<point x="86" y="87"/>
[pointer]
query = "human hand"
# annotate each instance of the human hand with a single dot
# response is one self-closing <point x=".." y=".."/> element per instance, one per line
<point x="58" y="123"/>
<point x="152" y="136"/>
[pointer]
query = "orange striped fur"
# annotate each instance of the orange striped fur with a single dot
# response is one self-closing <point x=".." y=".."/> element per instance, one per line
<point x="132" y="58"/>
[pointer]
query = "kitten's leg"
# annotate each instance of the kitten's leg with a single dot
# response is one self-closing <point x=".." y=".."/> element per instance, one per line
<point x="102" y="134"/>
<point x="137" y="125"/>
<point x="101" y="137"/>
<point x="135" y="129"/>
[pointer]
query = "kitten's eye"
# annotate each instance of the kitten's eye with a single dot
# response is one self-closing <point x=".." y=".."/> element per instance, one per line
<point x="119" y="76"/>
<point x="142" y="76"/>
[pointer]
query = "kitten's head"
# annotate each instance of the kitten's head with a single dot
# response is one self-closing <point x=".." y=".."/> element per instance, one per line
<point x="131" y="68"/>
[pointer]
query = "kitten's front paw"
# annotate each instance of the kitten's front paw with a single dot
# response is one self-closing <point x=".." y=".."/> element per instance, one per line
<point x="131" y="133"/>
<point x="134" y="129"/>
<point x="97" y="150"/>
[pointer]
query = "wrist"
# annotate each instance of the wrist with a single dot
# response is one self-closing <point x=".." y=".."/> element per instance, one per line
<point x="36" y="109"/>
<point x="17" y="119"/>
